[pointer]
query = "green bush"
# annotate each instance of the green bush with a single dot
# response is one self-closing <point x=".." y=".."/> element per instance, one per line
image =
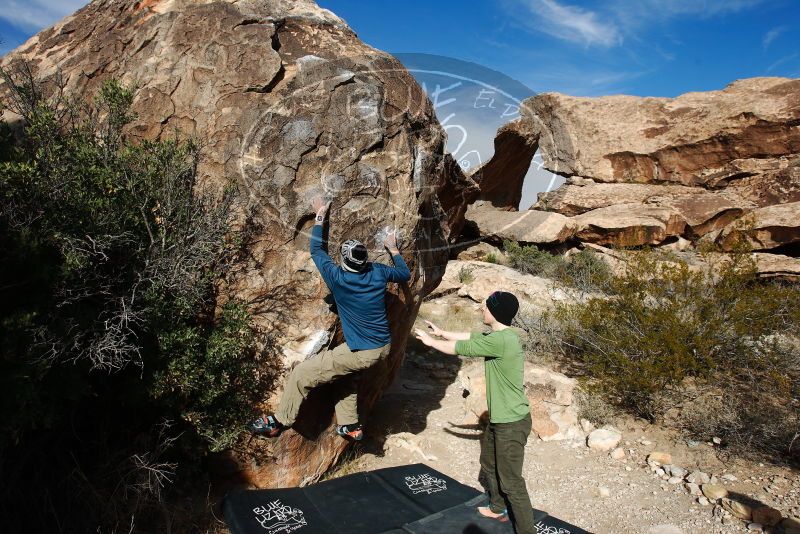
<point x="664" y="325"/>
<point x="109" y="252"/>
<point x="587" y="272"/>
<point x="214" y="378"/>
<point x="531" y="260"/>
<point x="465" y="275"/>
<point x="583" y="270"/>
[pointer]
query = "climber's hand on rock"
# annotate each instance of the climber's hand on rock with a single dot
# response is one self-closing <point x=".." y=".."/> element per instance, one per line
<point x="423" y="336"/>
<point x="319" y="205"/>
<point x="435" y="330"/>
<point x="390" y="241"/>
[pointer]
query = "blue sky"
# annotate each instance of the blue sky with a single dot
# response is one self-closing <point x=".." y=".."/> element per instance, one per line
<point x="577" y="47"/>
<point x="590" y="48"/>
<point x="580" y="47"/>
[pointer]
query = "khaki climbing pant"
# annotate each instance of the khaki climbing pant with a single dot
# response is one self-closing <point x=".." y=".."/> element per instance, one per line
<point x="502" y="453"/>
<point x="339" y="364"/>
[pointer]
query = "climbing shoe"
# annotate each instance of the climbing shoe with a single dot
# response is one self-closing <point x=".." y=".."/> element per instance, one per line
<point x="354" y="431"/>
<point x="267" y="427"/>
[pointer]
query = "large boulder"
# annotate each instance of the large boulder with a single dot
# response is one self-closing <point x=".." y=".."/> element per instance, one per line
<point x="691" y="140"/>
<point x="530" y="226"/>
<point x="476" y="280"/>
<point x="648" y="170"/>
<point x="286" y="102"/>
<point x="579" y="196"/>
<point x="765" y="228"/>
<point x="626" y="225"/>
<point x="777" y="266"/>
<point x="702" y="210"/>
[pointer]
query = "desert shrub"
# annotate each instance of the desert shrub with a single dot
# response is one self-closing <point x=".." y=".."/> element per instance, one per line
<point x="664" y="323"/>
<point x="542" y="334"/>
<point x="530" y="260"/>
<point x="109" y="251"/>
<point x="583" y="270"/>
<point x="491" y="258"/>
<point x="214" y="377"/>
<point x="586" y="271"/>
<point x="465" y="275"/>
<point x="593" y="405"/>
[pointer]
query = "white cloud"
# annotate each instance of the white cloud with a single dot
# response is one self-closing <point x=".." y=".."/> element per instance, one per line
<point x="634" y="15"/>
<point x="772" y="35"/>
<point x="37" y="14"/>
<point x="572" y="23"/>
<point x="782" y="61"/>
<point x="615" y="20"/>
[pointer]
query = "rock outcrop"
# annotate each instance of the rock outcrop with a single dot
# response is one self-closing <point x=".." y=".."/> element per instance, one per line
<point x="645" y="171"/>
<point x="766" y="228"/>
<point x="530" y="226"/>
<point x="477" y="280"/>
<point x="286" y="102"/>
<point x="502" y="176"/>
<point x="767" y="265"/>
<point x="697" y="139"/>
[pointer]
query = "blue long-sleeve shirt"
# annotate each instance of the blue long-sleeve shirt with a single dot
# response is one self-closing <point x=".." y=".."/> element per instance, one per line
<point x="360" y="297"/>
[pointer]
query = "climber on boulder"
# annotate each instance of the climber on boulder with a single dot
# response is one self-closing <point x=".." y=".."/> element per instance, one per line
<point x="359" y="288"/>
<point x="503" y="443"/>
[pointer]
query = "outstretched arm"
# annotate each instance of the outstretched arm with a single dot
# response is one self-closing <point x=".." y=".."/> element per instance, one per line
<point x="442" y="345"/>
<point x="452" y="336"/>
<point x="400" y="272"/>
<point x="321" y="258"/>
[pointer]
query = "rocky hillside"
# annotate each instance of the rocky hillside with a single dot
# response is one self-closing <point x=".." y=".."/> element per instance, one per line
<point x="286" y="102"/>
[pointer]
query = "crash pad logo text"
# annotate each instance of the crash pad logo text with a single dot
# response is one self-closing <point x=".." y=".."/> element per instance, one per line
<point x="425" y="483"/>
<point x="277" y="517"/>
<point x="541" y="528"/>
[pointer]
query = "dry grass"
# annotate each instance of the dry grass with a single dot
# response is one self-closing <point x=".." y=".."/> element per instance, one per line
<point x="351" y="461"/>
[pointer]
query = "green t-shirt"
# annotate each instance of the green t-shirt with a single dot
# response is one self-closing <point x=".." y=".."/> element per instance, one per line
<point x="504" y="365"/>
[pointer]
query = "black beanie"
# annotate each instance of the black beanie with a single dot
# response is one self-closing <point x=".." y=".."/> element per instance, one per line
<point x="503" y="306"/>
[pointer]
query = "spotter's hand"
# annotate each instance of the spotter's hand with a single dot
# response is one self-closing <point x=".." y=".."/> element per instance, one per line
<point x="424" y="337"/>
<point x="435" y="330"/>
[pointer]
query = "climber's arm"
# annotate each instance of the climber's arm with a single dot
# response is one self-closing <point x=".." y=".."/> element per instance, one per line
<point x="400" y="272"/>
<point x="327" y="268"/>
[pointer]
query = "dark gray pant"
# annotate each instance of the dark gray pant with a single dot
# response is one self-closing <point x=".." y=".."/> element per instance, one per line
<point x="502" y="453"/>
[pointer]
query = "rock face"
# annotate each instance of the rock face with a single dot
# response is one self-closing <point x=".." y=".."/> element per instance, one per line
<point x="695" y="139"/>
<point x="700" y="211"/>
<point x="767" y="228"/>
<point x="641" y="171"/>
<point x="627" y="225"/>
<point x="286" y="102"/>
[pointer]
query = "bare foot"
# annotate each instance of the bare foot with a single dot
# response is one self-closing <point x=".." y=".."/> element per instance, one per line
<point x="487" y="512"/>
